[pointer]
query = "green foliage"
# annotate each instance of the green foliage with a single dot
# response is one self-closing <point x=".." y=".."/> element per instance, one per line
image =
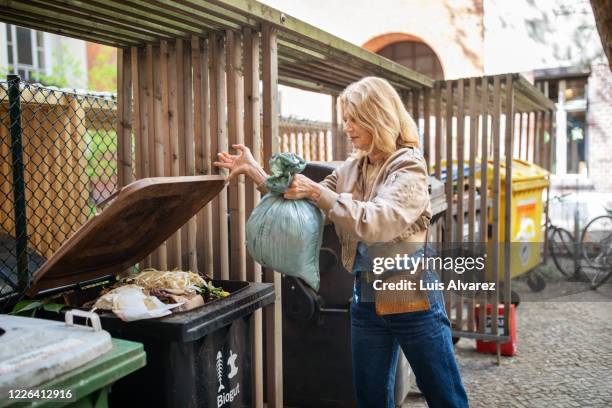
<point x="66" y="66"/>
<point x="101" y="150"/>
<point x="30" y="307"/>
<point x="103" y="72"/>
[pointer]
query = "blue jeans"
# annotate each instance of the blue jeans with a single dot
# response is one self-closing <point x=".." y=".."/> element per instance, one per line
<point x="424" y="337"/>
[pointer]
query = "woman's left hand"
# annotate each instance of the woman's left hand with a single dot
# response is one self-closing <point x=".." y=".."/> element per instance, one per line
<point x="303" y="187"/>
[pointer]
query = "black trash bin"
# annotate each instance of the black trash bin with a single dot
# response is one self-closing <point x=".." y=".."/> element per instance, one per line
<point x="198" y="358"/>
<point x="316" y="325"/>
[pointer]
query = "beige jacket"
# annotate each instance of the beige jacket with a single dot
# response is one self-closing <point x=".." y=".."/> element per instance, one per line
<point x="396" y="209"/>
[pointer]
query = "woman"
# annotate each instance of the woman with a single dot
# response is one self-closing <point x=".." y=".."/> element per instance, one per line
<point x="379" y="195"/>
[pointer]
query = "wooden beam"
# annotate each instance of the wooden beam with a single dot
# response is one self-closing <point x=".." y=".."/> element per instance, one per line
<point x="204" y="159"/>
<point x="124" y="125"/>
<point x="190" y="250"/>
<point x="220" y="143"/>
<point x="252" y="136"/>
<point x="175" y="69"/>
<point x="164" y="18"/>
<point x="235" y="108"/>
<point x="273" y="313"/>
<point x="293" y="29"/>
<point x="176" y="8"/>
<point x="427" y="127"/>
<point x="60" y="29"/>
<point x="484" y="169"/>
<point x="496" y="196"/>
<point x="46" y="14"/>
<point x="438" y="130"/>
<point x="108" y="15"/>
<point x="509" y="136"/>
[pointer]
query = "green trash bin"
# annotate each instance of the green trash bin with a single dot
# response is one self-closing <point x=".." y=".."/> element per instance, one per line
<point x="42" y="359"/>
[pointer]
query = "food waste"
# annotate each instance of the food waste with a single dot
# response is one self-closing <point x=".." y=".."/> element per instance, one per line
<point x="153" y="293"/>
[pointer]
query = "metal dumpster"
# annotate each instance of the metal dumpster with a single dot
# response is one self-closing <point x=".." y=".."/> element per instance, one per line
<point x="316" y="325"/>
<point x="201" y="357"/>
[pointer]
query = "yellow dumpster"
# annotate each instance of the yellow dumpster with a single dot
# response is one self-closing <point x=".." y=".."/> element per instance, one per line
<point x="528" y="184"/>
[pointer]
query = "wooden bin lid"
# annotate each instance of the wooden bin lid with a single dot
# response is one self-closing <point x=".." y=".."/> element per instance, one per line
<point x="144" y="214"/>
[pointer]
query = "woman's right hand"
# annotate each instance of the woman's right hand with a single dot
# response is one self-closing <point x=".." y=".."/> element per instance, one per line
<point x="242" y="163"/>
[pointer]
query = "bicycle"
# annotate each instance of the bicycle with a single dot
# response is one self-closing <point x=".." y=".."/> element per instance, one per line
<point x="594" y="247"/>
<point x="596" y="243"/>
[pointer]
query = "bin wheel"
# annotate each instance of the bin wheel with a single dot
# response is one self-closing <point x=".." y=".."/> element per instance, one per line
<point x="535" y="282"/>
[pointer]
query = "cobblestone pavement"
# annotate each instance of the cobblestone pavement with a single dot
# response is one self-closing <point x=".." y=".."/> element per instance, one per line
<point x="564" y="357"/>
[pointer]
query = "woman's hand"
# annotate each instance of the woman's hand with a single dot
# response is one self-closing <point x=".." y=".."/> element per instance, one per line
<point x="243" y="163"/>
<point x="303" y="187"/>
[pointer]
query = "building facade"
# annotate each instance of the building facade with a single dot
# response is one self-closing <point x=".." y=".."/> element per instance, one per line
<point x="554" y="44"/>
<point x="42" y="57"/>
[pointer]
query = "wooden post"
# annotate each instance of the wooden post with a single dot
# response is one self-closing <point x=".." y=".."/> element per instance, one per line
<point x="520" y="135"/>
<point x="252" y="136"/>
<point x="536" y="137"/>
<point x="472" y="153"/>
<point x="274" y="341"/>
<point x="219" y="143"/>
<point x="460" y="158"/>
<point x="235" y="108"/>
<point x="189" y="250"/>
<point x="338" y="139"/>
<point x="484" y="169"/>
<point x="137" y="112"/>
<point x="528" y="136"/>
<point x="508" y="201"/>
<point x="416" y="94"/>
<point x="124" y="110"/>
<point x="159" y="69"/>
<point x="150" y="102"/>
<point x="496" y="196"/>
<point x="202" y="156"/>
<point x="175" y="92"/>
<point x="448" y="222"/>
<point x="427" y="127"/>
<point x="449" y="162"/>
<point x="438" y="122"/>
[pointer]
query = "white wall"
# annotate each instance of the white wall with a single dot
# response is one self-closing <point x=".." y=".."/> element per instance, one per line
<point x="523" y="35"/>
<point x="54" y="55"/>
<point x="3" y="48"/>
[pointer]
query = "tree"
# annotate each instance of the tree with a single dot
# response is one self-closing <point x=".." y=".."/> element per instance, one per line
<point x="602" y="9"/>
<point x="103" y="72"/>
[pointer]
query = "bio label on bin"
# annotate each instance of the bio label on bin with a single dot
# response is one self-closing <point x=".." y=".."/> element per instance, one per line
<point x="224" y="398"/>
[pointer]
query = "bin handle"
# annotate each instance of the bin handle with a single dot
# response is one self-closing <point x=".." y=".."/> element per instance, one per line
<point x="93" y="317"/>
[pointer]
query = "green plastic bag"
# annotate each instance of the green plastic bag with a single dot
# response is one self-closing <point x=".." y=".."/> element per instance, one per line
<point x="286" y="235"/>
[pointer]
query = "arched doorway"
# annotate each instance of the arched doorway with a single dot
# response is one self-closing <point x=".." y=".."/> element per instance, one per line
<point x="408" y="50"/>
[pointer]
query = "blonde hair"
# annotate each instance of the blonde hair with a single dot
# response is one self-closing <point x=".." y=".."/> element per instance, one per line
<point x="376" y="106"/>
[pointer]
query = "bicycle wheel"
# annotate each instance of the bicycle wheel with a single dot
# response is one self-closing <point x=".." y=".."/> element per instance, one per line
<point x="596" y="245"/>
<point x="561" y="246"/>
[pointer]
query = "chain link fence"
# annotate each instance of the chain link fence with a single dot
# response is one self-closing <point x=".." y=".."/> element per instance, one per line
<point x="58" y="160"/>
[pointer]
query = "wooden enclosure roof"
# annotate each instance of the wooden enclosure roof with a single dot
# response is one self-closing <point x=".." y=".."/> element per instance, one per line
<point x="527" y="98"/>
<point x="308" y="58"/>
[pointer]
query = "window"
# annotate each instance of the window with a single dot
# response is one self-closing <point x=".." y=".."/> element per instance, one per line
<point x="414" y="55"/>
<point x="26" y="52"/>
<point x="570" y="95"/>
<point x="576" y="142"/>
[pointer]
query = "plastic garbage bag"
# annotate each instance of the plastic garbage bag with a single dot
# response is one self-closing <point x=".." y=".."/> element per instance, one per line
<point x="129" y="303"/>
<point x="286" y="235"/>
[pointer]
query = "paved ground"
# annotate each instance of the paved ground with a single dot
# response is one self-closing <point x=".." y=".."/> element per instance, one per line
<point x="564" y="355"/>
